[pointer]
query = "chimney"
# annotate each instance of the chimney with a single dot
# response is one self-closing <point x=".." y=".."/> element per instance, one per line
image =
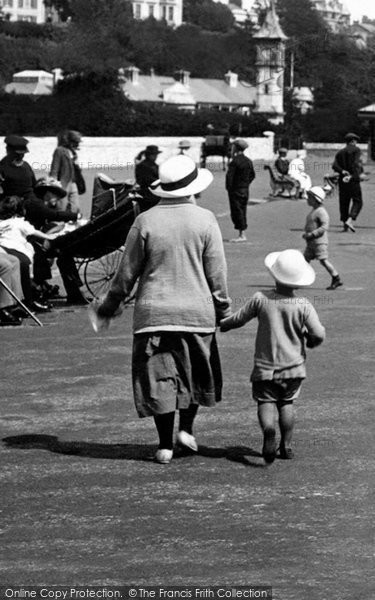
<point x="132" y="74"/>
<point x="231" y="79"/>
<point x="57" y="75"/>
<point x="183" y="76"/>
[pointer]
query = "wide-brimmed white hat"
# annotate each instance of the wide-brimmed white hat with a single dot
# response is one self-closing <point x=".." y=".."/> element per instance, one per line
<point x="290" y="268"/>
<point x="317" y="192"/>
<point x="180" y="177"/>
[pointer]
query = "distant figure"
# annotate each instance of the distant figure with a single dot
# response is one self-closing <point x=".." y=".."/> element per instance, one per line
<point x="282" y="163"/>
<point x="146" y="172"/>
<point x="239" y="176"/>
<point x="297" y="172"/>
<point x="16" y="175"/>
<point x="286" y="325"/>
<point x="184" y="146"/>
<point x="348" y="165"/>
<point x="65" y="169"/>
<point x="316" y="234"/>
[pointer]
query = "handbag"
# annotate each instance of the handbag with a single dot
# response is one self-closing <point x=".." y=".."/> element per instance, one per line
<point x="81" y="185"/>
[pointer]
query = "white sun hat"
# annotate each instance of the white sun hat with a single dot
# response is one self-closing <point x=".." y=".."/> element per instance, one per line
<point x="180" y="177"/>
<point x="290" y="268"/>
<point x="318" y="193"/>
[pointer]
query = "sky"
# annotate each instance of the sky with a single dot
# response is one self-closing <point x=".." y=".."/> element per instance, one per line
<point x="358" y="8"/>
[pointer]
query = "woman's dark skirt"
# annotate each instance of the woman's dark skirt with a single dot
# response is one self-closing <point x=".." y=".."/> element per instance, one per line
<point x="172" y="370"/>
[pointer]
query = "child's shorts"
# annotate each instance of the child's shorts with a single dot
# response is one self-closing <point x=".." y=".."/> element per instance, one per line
<point x="319" y="252"/>
<point x="277" y="390"/>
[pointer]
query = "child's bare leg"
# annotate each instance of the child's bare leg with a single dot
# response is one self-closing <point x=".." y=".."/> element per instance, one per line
<point x="286" y="424"/>
<point x="266" y="416"/>
<point x="336" y="281"/>
<point x="329" y="267"/>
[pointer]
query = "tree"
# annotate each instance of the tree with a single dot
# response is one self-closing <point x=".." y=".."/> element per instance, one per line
<point x="208" y="15"/>
<point x="63" y="8"/>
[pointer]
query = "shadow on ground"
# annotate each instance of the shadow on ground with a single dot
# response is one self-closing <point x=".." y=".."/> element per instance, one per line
<point x="141" y="452"/>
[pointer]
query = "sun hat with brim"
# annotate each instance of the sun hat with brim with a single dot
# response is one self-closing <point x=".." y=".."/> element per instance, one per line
<point x="317" y="193"/>
<point x="180" y="177"/>
<point x="49" y="184"/>
<point x="290" y="268"/>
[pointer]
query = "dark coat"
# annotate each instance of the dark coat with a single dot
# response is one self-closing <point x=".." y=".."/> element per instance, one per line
<point x="40" y="215"/>
<point x="62" y="167"/>
<point x="146" y="172"/>
<point x="348" y="159"/>
<point x="240" y="173"/>
<point x="17" y="181"/>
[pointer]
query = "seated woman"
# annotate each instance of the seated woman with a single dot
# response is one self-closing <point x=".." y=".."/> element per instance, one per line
<point x="15" y="232"/>
<point x="42" y="212"/>
<point x="9" y="278"/>
<point x="297" y="172"/>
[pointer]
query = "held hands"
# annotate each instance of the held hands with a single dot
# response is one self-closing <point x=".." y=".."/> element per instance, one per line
<point x="98" y="323"/>
<point x="307" y="236"/>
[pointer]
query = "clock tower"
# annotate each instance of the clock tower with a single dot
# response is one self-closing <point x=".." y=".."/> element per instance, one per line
<point x="270" y="65"/>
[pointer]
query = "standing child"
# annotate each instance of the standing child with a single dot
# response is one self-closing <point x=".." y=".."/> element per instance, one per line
<point x="316" y="234"/>
<point x="285" y="323"/>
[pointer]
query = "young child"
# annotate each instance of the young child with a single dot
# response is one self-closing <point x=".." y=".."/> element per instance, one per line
<point x="316" y="234"/>
<point x="15" y="232"/>
<point x="286" y="323"/>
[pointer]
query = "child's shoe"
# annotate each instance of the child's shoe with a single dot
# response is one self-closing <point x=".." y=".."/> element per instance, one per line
<point x="335" y="283"/>
<point x="286" y="453"/>
<point x="269" y="445"/>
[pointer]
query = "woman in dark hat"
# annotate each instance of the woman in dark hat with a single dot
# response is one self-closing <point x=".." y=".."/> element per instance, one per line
<point x="147" y="171"/>
<point x="43" y="213"/>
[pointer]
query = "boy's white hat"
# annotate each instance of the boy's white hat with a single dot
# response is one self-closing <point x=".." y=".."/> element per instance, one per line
<point x="180" y="177"/>
<point x="290" y="268"/>
<point x="318" y="193"/>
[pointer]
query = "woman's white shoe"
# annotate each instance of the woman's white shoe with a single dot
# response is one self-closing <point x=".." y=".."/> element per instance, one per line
<point x="186" y="440"/>
<point x="163" y="456"/>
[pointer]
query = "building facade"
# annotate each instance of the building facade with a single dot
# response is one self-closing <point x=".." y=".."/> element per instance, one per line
<point x="334" y="12"/>
<point x="169" y="10"/>
<point x="23" y="10"/>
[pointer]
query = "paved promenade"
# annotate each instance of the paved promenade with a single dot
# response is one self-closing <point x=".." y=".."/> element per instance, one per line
<point x="82" y="501"/>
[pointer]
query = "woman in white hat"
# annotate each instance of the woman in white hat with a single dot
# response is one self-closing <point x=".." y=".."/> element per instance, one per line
<point x="176" y="251"/>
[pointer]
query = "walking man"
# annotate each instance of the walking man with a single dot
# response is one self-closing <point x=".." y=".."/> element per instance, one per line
<point x="348" y="165"/>
<point x="239" y="176"/>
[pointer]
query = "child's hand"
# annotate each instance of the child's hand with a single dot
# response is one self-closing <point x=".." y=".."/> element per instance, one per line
<point x="312" y="341"/>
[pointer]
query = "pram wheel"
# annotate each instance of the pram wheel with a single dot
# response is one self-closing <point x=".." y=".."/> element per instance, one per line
<point x="99" y="273"/>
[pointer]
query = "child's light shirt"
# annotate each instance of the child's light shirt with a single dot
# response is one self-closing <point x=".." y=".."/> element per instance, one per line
<point x="14" y="233"/>
<point x="317" y="223"/>
<point x="283" y="322"/>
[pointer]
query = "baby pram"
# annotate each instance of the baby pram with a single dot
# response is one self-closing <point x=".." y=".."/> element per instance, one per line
<point x="97" y="246"/>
